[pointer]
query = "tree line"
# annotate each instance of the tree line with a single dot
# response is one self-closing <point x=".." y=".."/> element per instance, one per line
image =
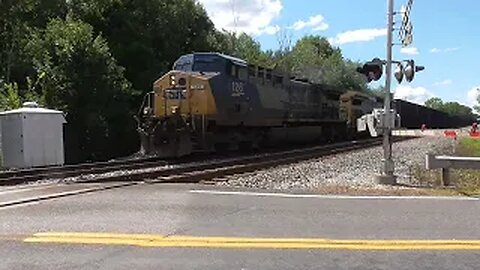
<point x="95" y="59"/>
<point x="449" y="107"/>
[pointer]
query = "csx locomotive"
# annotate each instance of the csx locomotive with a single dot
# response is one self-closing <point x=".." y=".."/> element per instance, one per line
<point x="211" y="101"/>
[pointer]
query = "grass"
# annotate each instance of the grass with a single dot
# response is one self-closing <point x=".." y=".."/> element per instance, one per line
<point x="389" y="191"/>
<point x="465" y="182"/>
<point x="468" y="181"/>
<point x="469" y="147"/>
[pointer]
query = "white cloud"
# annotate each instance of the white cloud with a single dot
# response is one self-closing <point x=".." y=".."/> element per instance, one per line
<point x="271" y="29"/>
<point x="437" y="50"/>
<point x="472" y="96"/>
<point x="413" y="94"/>
<point x="317" y="23"/>
<point x="253" y="17"/>
<point x="409" y="50"/>
<point x="444" y="82"/>
<point x="359" y="35"/>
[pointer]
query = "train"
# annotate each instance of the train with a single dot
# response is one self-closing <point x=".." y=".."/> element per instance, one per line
<point x="415" y="115"/>
<point x="211" y="102"/>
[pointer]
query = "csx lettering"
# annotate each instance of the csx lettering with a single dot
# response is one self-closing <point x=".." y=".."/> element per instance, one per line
<point x="237" y="89"/>
<point x="175" y="94"/>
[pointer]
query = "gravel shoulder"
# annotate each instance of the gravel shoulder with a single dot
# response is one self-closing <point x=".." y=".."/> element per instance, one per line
<point x="351" y="172"/>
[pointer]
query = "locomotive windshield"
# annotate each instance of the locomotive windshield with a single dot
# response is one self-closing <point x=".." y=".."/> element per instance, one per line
<point x="210" y="62"/>
<point x="200" y="62"/>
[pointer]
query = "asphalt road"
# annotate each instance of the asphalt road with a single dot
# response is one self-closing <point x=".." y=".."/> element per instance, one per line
<point x="182" y="227"/>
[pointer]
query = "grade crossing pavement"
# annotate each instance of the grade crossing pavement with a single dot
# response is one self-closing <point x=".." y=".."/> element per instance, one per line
<point x="173" y="226"/>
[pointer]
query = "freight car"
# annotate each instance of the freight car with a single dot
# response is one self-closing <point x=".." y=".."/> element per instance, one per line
<point x="212" y="101"/>
<point x="414" y="116"/>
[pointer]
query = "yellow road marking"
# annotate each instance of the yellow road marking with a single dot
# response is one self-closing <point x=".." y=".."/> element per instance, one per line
<point x="152" y="240"/>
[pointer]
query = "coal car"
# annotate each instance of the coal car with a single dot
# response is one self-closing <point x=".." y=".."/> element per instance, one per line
<point x="413" y="116"/>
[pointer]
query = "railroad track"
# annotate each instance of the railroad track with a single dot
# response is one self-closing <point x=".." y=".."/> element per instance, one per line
<point x="29" y="175"/>
<point x="190" y="173"/>
<point x="162" y="171"/>
<point x="179" y="173"/>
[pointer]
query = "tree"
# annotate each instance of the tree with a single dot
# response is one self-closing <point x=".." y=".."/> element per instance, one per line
<point x="9" y="97"/>
<point x="477" y="107"/>
<point x="146" y="37"/>
<point x="242" y="46"/>
<point x="17" y="19"/>
<point x="434" y="103"/>
<point x="81" y="78"/>
<point x="315" y="58"/>
<point x="452" y="108"/>
<point x="455" y="108"/>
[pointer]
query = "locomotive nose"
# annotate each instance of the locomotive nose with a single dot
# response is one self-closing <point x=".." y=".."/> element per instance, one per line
<point x="171" y="94"/>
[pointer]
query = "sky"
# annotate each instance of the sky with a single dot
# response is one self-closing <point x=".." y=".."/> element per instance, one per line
<point x="445" y="38"/>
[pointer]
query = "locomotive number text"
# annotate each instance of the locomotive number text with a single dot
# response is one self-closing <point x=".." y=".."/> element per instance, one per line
<point x="237" y="89"/>
<point x="175" y="94"/>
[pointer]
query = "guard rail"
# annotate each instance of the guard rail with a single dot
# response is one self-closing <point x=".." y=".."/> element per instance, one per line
<point x="450" y="162"/>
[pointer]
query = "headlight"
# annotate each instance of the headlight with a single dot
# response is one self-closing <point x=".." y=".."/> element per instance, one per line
<point x="182" y="81"/>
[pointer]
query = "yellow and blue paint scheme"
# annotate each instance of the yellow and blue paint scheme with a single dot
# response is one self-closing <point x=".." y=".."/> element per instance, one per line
<point x="210" y="99"/>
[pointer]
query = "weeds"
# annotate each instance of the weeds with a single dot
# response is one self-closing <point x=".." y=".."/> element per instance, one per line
<point x="468" y="147"/>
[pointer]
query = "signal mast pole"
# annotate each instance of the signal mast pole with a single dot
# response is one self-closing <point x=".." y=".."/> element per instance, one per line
<point x="387" y="176"/>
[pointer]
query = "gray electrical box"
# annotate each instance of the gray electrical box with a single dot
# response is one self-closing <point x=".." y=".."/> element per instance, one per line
<point x="32" y="137"/>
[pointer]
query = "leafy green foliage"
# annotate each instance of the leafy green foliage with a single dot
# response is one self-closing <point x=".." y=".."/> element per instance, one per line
<point x="79" y="76"/>
<point x="12" y="97"/>
<point x="477" y="107"/>
<point x="94" y="58"/>
<point x="18" y="18"/>
<point x="242" y="46"/>
<point x="452" y="108"/>
<point x="434" y="103"/>
<point x="146" y="37"/>
<point x="9" y="97"/>
<point x="313" y="57"/>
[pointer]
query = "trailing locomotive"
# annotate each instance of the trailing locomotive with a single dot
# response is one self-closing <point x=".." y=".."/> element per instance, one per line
<point x="211" y="101"/>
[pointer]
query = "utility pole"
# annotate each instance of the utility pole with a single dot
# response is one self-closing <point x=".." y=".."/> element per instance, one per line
<point x="387" y="176"/>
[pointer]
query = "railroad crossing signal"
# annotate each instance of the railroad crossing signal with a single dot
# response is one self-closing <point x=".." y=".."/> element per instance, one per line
<point x="399" y="71"/>
<point x="406" y="29"/>
<point x="411" y="69"/>
<point x="373" y="70"/>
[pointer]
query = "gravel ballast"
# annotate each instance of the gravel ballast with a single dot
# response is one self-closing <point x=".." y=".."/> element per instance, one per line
<point x="353" y="169"/>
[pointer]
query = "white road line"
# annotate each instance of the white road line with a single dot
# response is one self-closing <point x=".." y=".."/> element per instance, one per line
<point x="19" y="205"/>
<point x="56" y="195"/>
<point x="25" y="188"/>
<point x="340" y="197"/>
